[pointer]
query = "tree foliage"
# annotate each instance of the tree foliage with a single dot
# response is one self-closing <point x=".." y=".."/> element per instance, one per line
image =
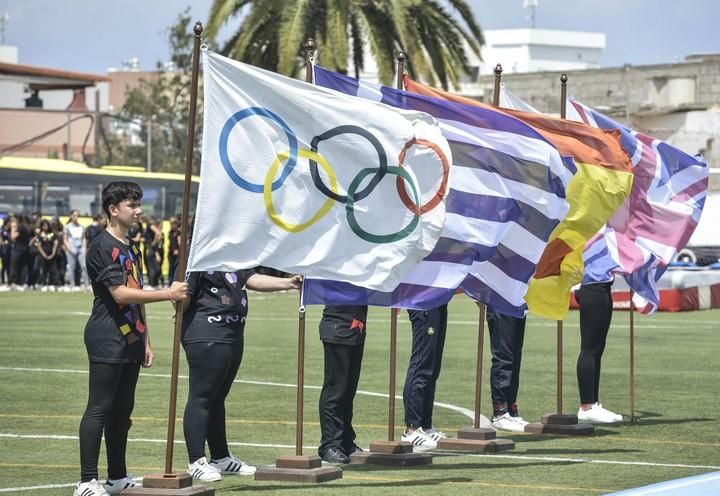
<point x="271" y="32"/>
<point x="165" y="98"/>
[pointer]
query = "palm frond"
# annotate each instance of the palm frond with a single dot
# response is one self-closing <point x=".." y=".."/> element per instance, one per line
<point x="293" y="32"/>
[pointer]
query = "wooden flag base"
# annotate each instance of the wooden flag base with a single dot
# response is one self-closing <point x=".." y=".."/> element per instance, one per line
<point x="554" y="423"/>
<point x="478" y="440"/>
<point x="298" y="468"/>
<point x="180" y="484"/>
<point x="391" y="454"/>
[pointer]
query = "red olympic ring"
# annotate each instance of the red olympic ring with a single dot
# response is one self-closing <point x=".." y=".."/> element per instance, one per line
<point x="442" y="190"/>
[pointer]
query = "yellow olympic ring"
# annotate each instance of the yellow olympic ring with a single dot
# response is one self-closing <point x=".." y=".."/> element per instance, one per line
<point x="267" y="190"/>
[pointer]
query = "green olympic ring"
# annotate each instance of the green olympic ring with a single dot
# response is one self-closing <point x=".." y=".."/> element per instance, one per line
<point x="381" y="238"/>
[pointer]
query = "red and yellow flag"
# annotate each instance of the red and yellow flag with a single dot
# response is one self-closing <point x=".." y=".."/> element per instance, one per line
<point x="602" y="182"/>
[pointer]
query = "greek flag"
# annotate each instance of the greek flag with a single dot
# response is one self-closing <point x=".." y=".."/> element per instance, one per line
<point x="506" y="195"/>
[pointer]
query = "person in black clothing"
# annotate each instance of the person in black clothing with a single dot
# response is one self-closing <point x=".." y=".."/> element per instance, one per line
<point x="95" y="228"/>
<point x="47" y="251"/>
<point x="116" y="339"/>
<point x="342" y="332"/>
<point x="213" y="338"/>
<point x="428" y="341"/>
<point x="5" y="250"/>
<point x="21" y="233"/>
<point x="596" y="307"/>
<point x="507" y="334"/>
<point x="173" y="246"/>
<point x="61" y="257"/>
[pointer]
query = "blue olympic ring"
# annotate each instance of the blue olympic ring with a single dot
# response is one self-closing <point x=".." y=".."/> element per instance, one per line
<point x="227" y="165"/>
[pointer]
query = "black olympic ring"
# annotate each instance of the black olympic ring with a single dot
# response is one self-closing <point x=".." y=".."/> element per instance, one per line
<point x="349" y="129"/>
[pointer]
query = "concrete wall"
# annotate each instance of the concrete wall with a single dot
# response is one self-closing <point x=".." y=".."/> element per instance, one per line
<point x="636" y="88"/>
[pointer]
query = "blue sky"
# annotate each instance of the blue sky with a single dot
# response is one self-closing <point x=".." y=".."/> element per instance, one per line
<point x="92" y="35"/>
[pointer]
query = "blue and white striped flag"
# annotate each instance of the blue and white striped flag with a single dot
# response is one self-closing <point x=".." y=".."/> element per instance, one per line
<point x="506" y="195"/>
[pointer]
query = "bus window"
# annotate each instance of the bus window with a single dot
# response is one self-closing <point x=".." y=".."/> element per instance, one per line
<point x="84" y="198"/>
<point x="16" y="199"/>
<point x="55" y="200"/>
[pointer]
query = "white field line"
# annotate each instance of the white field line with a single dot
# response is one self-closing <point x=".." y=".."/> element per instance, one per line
<point x="582" y="460"/>
<point x="484" y="422"/>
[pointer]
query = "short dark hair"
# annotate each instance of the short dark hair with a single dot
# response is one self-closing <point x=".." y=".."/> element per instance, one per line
<point x="119" y="191"/>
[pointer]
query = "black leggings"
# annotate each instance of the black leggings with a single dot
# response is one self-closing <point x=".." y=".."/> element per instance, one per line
<point x="212" y="367"/>
<point x="111" y="400"/>
<point x="596" y="309"/>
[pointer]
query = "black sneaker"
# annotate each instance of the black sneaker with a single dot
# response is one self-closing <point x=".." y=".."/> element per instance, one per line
<point x="335" y="455"/>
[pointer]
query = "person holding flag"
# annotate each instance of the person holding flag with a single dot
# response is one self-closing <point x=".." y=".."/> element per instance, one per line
<point x="116" y="339"/>
<point x="428" y="341"/>
<point x="213" y="338"/>
<point x="342" y="332"/>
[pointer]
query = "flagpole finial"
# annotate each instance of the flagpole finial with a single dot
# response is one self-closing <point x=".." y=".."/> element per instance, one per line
<point x="198" y="28"/>
<point x="309" y="45"/>
<point x="401" y="57"/>
<point x="564" y="78"/>
<point x="498" y="70"/>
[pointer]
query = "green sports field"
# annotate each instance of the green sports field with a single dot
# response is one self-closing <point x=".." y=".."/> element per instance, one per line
<point x="43" y="388"/>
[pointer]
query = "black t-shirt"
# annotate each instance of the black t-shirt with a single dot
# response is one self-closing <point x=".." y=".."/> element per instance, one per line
<point x="114" y="333"/>
<point x="47" y="241"/>
<point x="343" y="324"/>
<point x="92" y="231"/>
<point x="218" y="307"/>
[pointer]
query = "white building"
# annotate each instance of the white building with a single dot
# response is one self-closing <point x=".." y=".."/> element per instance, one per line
<point x="531" y="50"/>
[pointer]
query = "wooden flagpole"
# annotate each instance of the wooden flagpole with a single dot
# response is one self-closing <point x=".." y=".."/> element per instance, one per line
<point x="559" y="423"/>
<point x="170" y="483"/>
<point x="632" y="358"/>
<point x="300" y="468"/>
<point x="391" y="452"/>
<point x="476" y="438"/>
<point x="182" y="255"/>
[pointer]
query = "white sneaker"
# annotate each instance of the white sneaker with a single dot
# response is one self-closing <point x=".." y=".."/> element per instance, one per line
<point x="521" y="421"/>
<point x="116" y="486"/>
<point x="201" y="470"/>
<point x="92" y="488"/>
<point x="618" y="417"/>
<point x="434" y="434"/>
<point x="230" y="465"/>
<point x="419" y="439"/>
<point x="598" y="415"/>
<point x="506" y="422"/>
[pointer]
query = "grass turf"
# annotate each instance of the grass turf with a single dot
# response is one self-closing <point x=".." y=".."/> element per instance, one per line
<point x="677" y="433"/>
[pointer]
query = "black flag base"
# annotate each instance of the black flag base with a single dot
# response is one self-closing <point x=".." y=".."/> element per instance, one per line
<point x="175" y="484"/>
<point x="479" y="440"/>
<point x="557" y="423"/>
<point x="298" y="468"/>
<point x="391" y="454"/>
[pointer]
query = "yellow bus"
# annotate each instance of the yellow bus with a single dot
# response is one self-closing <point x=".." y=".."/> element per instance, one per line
<point x="55" y="187"/>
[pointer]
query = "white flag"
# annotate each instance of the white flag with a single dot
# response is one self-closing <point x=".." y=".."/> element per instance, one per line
<point x="311" y="181"/>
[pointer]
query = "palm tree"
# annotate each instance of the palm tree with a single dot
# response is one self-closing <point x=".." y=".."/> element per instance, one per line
<point x="271" y="33"/>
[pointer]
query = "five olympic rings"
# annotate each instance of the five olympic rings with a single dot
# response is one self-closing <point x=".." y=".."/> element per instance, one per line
<point x="290" y="157"/>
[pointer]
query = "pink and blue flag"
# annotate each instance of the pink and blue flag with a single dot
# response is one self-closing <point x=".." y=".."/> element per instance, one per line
<point x="506" y="193"/>
<point x="655" y="221"/>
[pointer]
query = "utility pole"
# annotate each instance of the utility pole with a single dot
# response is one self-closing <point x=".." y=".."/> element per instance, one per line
<point x="531" y="5"/>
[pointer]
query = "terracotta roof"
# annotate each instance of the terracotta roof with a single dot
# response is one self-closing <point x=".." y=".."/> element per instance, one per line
<point x="48" y="78"/>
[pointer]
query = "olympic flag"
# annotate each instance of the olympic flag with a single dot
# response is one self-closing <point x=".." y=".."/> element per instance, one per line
<point x="306" y="180"/>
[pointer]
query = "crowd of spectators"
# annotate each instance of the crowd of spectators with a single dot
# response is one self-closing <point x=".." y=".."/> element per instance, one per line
<point x="38" y="253"/>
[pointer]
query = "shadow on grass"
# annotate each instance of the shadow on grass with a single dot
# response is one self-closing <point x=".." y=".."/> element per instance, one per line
<point x="443" y="462"/>
<point x="280" y="486"/>
<point x="653" y="418"/>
